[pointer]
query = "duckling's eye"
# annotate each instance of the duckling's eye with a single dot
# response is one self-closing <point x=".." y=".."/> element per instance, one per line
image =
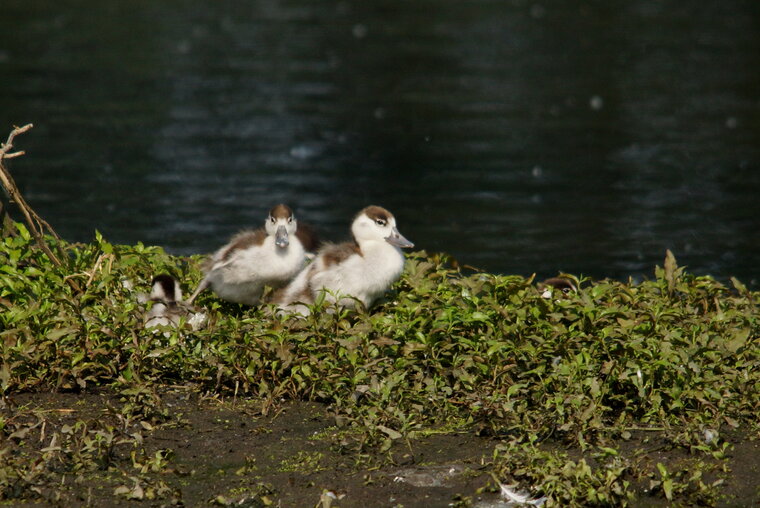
<point x="380" y="222"/>
<point x="290" y="220"/>
<point x="272" y="219"/>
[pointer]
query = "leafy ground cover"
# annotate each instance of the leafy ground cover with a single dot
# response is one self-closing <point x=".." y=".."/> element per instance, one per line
<point x="620" y="394"/>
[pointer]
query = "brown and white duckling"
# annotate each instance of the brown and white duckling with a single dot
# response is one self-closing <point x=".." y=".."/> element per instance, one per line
<point x="168" y="308"/>
<point x="563" y="284"/>
<point x="270" y="256"/>
<point x="362" y="269"/>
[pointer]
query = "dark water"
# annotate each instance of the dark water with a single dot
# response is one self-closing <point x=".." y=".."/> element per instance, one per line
<point x="518" y="136"/>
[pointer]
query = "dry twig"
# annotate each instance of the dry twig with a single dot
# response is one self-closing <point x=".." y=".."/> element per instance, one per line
<point x="36" y="224"/>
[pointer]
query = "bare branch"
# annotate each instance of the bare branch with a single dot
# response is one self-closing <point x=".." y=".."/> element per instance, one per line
<point x="9" y="144"/>
<point x="37" y="225"/>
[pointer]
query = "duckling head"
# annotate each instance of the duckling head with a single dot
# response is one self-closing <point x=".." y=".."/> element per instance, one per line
<point x="375" y="223"/>
<point x="165" y="295"/>
<point x="164" y="288"/>
<point x="168" y="307"/>
<point x="563" y="284"/>
<point x="280" y="224"/>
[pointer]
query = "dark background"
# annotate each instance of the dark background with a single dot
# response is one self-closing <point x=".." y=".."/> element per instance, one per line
<point x="517" y="136"/>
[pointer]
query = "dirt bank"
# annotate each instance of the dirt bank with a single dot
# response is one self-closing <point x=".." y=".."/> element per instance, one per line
<point x="229" y="452"/>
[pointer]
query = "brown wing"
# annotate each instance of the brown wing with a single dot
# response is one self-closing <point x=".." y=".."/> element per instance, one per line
<point x="243" y="240"/>
<point x="308" y="237"/>
<point x="333" y="254"/>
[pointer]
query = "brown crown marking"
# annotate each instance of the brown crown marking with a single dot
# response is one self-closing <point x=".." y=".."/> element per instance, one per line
<point x="377" y="212"/>
<point x="560" y="283"/>
<point x="281" y="211"/>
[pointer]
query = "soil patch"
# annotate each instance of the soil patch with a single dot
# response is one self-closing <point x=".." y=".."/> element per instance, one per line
<point x="208" y="451"/>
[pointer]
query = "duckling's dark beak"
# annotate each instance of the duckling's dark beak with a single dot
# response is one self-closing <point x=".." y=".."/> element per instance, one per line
<point x="398" y="240"/>
<point x="281" y="237"/>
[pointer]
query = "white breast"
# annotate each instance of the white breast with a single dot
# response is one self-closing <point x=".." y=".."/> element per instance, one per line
<point x="365" y="276"/>
<point x="241" y="278"/>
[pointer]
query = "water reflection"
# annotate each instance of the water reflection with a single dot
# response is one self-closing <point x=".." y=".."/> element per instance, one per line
<point x="518" y="137"/>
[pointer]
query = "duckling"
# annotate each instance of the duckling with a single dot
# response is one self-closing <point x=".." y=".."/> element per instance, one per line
<point x="362" y="269"/>
<point x="168" y="307"/>
<point x="270" y="256"/>
<point x="563" y="284"/>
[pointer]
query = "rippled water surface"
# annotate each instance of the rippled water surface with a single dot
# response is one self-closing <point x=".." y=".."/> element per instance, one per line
<point x="518" y="136"/>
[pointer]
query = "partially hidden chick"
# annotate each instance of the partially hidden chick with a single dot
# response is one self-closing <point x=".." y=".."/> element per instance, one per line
<point x="563" y="284"/>
<point x="168" y="308"/>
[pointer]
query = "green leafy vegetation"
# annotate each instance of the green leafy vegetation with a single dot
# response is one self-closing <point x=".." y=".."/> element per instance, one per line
<point x="578" y="388"/>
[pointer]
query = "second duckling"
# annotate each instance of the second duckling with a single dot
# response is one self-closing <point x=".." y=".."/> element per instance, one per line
<point x="362" y="269"/>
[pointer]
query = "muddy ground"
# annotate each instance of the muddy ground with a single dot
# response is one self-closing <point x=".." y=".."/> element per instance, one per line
<point x="235" y="452"/>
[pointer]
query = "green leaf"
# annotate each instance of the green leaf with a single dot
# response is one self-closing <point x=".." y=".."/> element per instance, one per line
<point x="738" y="340"/>
<point x="60" y="332"/>
<point x="389" y="432"/>
<point x="741" y="288"/>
